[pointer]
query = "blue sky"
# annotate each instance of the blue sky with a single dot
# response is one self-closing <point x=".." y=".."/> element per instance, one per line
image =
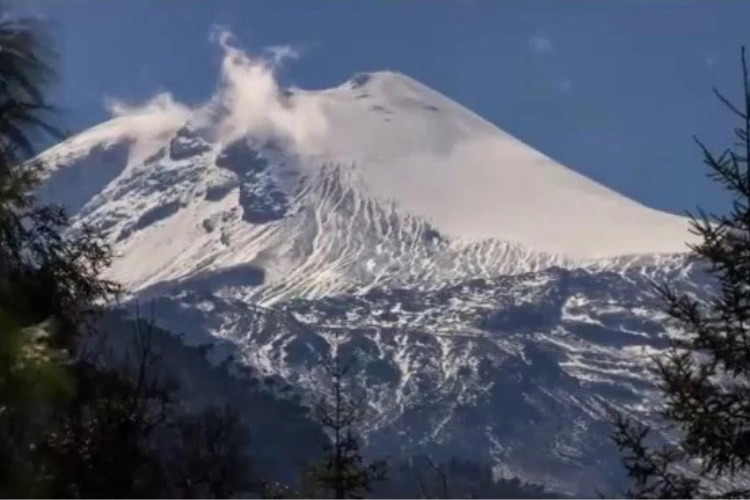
<point x="613" y="89"/>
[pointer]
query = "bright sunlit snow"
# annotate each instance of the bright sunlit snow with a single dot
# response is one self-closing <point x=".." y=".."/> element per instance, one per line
<point x="484" y="283"/>
<point x="294" y="192"/>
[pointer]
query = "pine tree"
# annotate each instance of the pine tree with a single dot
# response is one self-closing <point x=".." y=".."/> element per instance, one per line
<point x="47" y="269"/>
<point x="126" y="433"/>
<point x="33" y="383"/>
<point x="48" y="279"/>
<point x="344" y="472"/>
<point x="705" y="375"/>
<point x="210" y="458"/>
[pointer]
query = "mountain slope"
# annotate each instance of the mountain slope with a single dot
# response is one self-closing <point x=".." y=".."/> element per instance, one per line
<point x="396" y="184"/>
<point x="515" y="371"/>
<point x="498" y="301"/>
<point x="473" y="181"/>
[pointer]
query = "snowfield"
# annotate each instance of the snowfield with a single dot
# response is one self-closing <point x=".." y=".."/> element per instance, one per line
<point x="499" y="302"/>
<point x="397" y="185"/>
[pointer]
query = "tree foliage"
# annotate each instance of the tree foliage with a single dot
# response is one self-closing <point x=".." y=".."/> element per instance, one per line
<point x="344" y="472"/>
<point x="127" y="435"/>
<point x="210" y="459"/>
<point x="33" y="381"/>
<point x="705" y="376"/>
<point x="423" y="477"/>
<point x="48" y="279"/>
<point x="48" y="270"/>
<point x="27" y="69"/>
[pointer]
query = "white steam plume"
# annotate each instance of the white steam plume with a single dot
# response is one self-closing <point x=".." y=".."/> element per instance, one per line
<point x="161" y="113"/>
<point x="248" y="102"/>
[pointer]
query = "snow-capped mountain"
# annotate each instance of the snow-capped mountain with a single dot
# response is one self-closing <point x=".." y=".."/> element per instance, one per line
<point x="398" y="185"/>
<point x="497" y="300"/>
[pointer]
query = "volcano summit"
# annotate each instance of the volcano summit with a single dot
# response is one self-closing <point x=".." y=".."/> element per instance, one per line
<point x="498" y="302"/>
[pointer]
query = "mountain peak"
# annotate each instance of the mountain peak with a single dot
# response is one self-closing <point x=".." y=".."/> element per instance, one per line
<point x="363" y="79"/>
<point x="380" y="180"/>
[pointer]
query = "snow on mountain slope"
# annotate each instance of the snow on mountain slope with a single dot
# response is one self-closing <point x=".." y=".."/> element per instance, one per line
<point x="498" y="300"/>
<point x="385" y="182"/>
<point x="517" y="371"/>
<point x="474" y="181"/>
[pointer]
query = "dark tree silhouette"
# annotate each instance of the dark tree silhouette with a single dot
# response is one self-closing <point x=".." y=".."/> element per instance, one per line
<point x="107" y="442"/>
<point x="47" y="271"/>
<point x="48" y="279"/>
<point x="423" y="477"/>
<point x="27" y="69"/>
<point x="210" y="459"/>
<point x="126" y="434"/>
<point x="705" y="376"/>
<point x="344" y="472"/>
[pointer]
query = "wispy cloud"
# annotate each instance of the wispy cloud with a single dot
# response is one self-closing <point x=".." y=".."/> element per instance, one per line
<point x="540" y="43"/>
<point x="281" y="53"/>
<point x="152" y="118"/>
<point x="252" y="101"/>
<point x="248" y="101"/>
